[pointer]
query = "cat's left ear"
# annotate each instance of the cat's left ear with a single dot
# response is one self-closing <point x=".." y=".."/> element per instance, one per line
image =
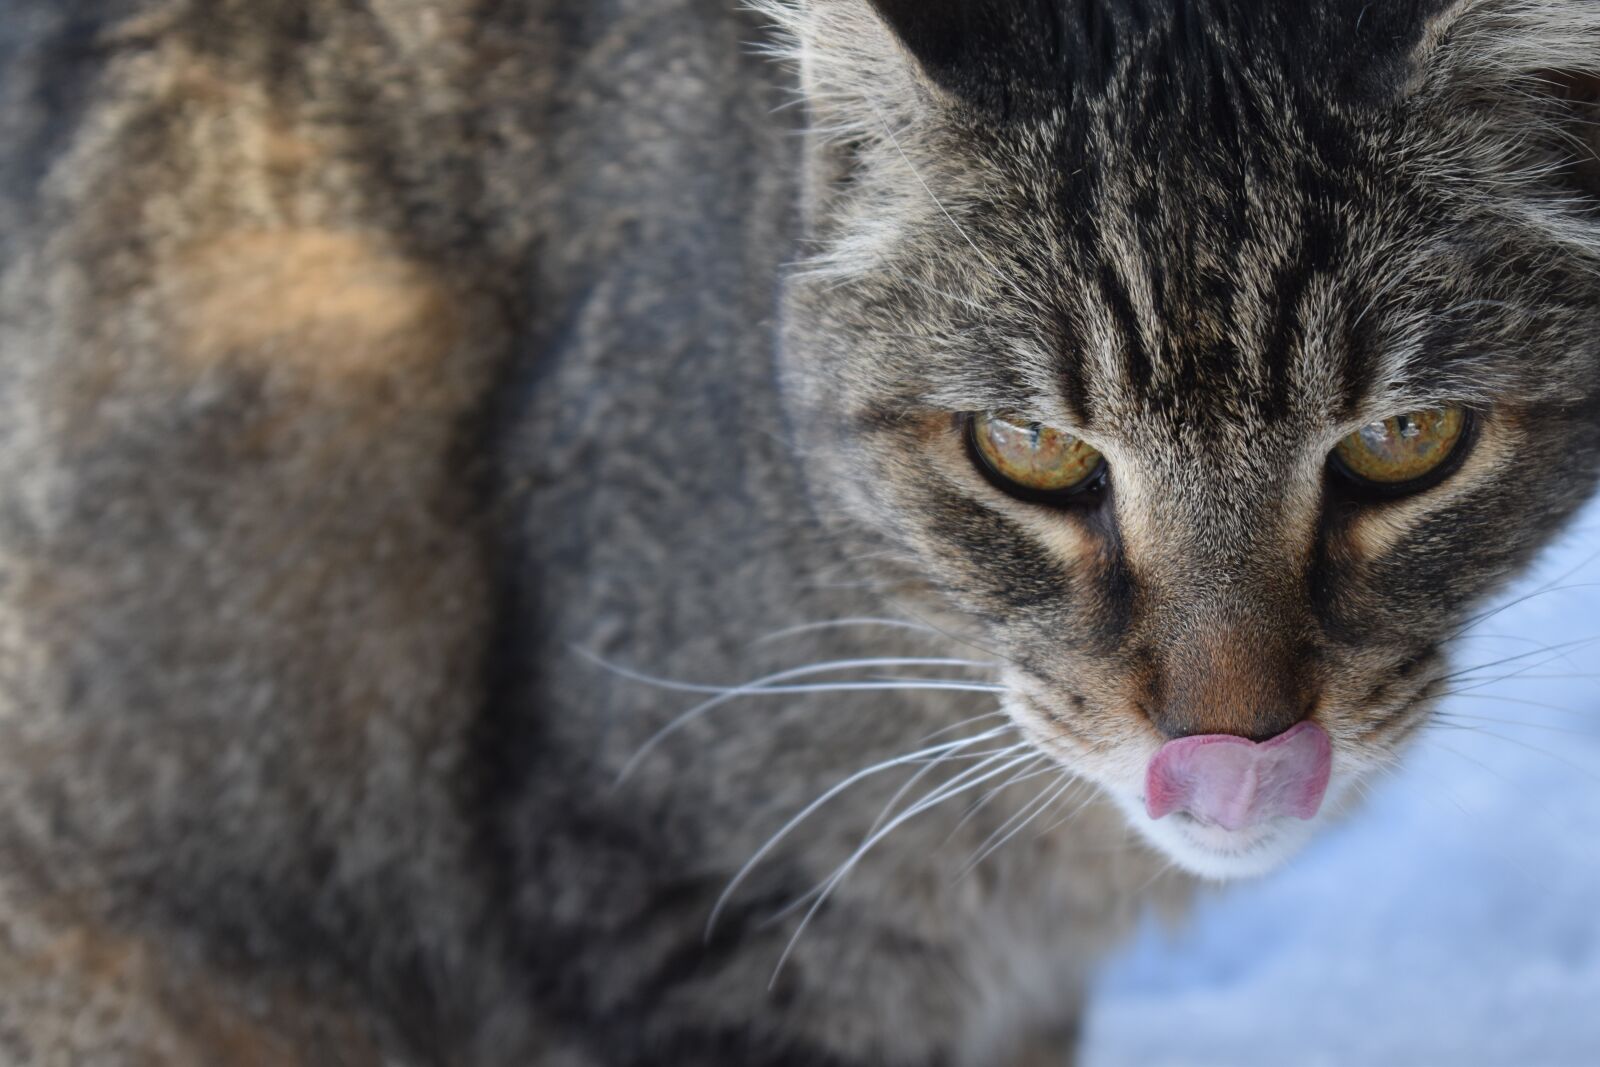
<point x="1506" y="101"/>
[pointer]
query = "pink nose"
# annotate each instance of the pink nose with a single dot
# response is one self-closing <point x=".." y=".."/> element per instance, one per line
<point x="1235" y="783"/>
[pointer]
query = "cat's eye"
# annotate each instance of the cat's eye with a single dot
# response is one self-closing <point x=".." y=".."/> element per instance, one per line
<point x="1405" y="453"/>
<point x="1032" y="461"/>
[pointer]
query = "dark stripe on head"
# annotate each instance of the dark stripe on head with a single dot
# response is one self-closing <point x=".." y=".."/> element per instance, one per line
<point x="1011" y="570"/>
<point x="1359" y="358"/>
<point x="1074" y="384"/>
<point x="1285" y="335"/>
<point x="1319" y="250"/>
<point x="1115" y="582"/>
<point x="1139" y="370"/>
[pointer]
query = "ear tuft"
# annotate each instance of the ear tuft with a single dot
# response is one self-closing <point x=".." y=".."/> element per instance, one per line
<point x="853" y="73"/>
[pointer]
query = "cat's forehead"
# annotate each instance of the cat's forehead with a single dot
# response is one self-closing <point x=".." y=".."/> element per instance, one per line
<point x="1207" y="223"/>
<point x="1216" y="239"/>
<point x="1199" y="275"/>
<point x="1195" y="283"/>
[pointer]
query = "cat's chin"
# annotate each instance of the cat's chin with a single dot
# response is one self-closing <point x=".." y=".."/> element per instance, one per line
<point x="1215" y="853"/>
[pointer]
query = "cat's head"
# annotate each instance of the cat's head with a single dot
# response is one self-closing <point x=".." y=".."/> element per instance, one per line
<point x="1212" y="360"/>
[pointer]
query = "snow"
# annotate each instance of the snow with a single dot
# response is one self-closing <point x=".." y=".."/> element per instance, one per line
<point x="1454" y="920"/>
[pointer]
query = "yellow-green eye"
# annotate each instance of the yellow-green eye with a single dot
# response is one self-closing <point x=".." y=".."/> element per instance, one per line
<point x="1406" y="449"/>
<point x="1030" y="460"/>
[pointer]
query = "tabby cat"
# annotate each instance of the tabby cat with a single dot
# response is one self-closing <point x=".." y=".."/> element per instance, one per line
<point x="622" y="532"/>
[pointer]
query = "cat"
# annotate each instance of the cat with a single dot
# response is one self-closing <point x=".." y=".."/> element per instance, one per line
<point x="620" y="532"/>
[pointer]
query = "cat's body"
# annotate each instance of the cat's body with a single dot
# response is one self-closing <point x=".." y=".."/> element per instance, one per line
<point x="299" y="612"/>
<point x="370" y="371"/>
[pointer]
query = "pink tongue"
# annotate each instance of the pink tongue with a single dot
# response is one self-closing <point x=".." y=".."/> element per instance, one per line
<point x="1235" y="783"/>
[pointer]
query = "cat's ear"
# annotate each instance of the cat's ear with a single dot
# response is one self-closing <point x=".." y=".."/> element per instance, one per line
<point x="1507" y="97"/>
<point x="993" y="54"/>
<point x="862" y="61"/>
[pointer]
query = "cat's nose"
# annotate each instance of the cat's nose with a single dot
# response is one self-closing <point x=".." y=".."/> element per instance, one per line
<point x="1235" y="783"/>
<point x="1248" y="679"/>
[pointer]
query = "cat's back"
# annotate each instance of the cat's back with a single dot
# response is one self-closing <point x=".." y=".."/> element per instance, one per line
<point x="300" y="303"/>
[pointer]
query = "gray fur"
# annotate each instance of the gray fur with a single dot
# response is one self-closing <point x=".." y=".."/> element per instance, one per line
<point x="389" y="386"/>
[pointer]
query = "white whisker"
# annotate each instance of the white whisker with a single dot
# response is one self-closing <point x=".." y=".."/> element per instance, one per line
<point x="811" y="808"/>
<point x="838" y="624"/>
<point x="1455" y="716"/>
<point x="897" y="685"/>
<point x="939" y="796"/>
<point x="933" y="795"/>
<point x="1089" y="798"/>
<point x="1024" y="815"/>
<point x="964" y="722"/>
<point x="1521" y="703"/>
<point x="1028" y="772"/>
<point x="1523" y="792"/>
<point x="1556" y="651"/>
<point x="1587" y="772"/>
<point x="1544" y="590"/>
<point x="765" y="686"/>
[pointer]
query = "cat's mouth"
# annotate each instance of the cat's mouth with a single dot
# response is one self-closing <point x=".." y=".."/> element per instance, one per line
<point x="1234" y="783"/>
<point x="1224" y="806"/>
<point x="1219" y="805"/>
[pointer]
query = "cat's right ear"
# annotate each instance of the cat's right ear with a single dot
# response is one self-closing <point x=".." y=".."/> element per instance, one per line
<point x="1506" y="99"/>
<point x="993" y="55"/>
<point x="863" y="63"/>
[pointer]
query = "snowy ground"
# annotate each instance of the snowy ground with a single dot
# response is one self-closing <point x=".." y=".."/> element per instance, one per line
<point x="1455" y="921"/>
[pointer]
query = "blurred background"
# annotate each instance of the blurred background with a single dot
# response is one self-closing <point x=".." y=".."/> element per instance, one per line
<point x="1455" y="919"/>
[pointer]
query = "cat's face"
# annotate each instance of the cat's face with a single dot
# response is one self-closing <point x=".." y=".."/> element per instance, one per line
<point x="1201" y="269"/>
